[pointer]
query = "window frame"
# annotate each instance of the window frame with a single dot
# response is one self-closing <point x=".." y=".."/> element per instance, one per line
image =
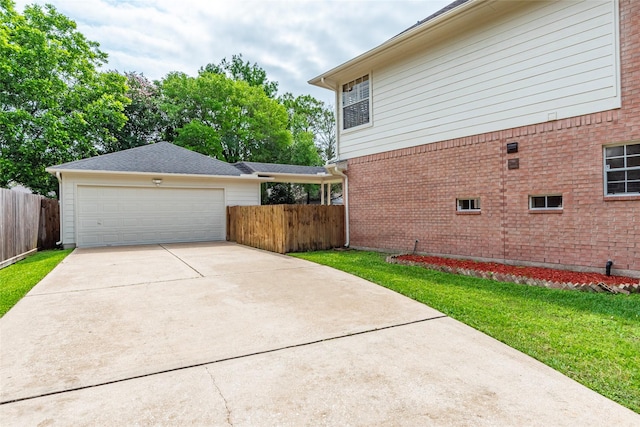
<point x="606" y="168"/>
<point x="471" y="200"/>
<point x="546" y="202"/>
<point x="370" y="104"/>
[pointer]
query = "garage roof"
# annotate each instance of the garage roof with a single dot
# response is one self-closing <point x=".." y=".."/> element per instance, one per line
<point x="289" y="173"/>
<point x="267" y="168"/>
<point x="161" y="157"/>
<point x="166" y="158"/>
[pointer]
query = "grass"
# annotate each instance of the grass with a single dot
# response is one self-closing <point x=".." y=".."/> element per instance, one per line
<point x="590" y="337"/>
<point x="18" y="279"/>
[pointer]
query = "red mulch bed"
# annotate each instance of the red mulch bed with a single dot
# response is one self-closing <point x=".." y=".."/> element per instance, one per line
<point x="539" y="273"/>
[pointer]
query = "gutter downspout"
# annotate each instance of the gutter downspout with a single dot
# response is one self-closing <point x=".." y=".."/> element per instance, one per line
<point x="59" y="178"/>
<point x="346" y="210"/>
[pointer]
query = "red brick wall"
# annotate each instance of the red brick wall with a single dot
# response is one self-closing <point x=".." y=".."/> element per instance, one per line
<point x="400" y="196"/>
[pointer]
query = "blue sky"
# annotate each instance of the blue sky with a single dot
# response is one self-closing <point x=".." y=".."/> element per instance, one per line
<point x="293" y="41"/>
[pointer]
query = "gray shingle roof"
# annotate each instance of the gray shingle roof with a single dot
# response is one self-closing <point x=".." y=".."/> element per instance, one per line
<point x="161" y="157"/>
<point x="267" y="168"/>
<point x="445" y="9"/>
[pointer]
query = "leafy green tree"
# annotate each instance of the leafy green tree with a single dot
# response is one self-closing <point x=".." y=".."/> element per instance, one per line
<point x="311" y="118"/>
<point x="54" y="104"/>
<point x="146" y="122"/>
<point x="225" y="118"/>
<point x="325" y="133"/>
<point x="279" y="193"/>
<point x="238" y="69"/>
<point x="303" y="112"/>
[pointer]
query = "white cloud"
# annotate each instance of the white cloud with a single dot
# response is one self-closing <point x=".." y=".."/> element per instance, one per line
<point x="292" y="40"/>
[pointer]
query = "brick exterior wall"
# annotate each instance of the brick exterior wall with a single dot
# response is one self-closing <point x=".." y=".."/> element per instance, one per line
<point x="399" y="196"/>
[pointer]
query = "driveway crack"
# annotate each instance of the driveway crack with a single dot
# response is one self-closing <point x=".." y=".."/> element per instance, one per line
<point x="226" y="404"/>
<point x="181" y="260"/>
<point x="242" y="356"/>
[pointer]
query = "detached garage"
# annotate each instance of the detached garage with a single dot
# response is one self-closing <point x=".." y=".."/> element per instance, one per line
<point x="158" y="193"/>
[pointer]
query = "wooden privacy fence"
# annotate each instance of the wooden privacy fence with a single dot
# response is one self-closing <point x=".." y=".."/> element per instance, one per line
<point x="27" y="222"/>
<point x="287" y="228"/>
<point x="49" y="226"/>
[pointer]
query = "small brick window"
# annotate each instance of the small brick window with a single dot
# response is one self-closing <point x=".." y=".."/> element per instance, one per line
<point x="468" y="205"/>
<point x="550" y="202"/>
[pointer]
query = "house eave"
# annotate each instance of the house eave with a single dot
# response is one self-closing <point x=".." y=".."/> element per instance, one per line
<point x="365" y="61"/>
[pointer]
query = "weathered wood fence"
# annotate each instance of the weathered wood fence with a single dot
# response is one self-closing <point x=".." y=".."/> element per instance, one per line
<point x="27" y="222"/>
<point x="49" y="225"/>
<point x="287" y="228"/>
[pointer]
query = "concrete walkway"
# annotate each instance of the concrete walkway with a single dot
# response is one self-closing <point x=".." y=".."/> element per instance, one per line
<point x="221" y="334"/>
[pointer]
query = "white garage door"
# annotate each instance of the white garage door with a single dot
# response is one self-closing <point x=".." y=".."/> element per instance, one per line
<point x="131" y="216"/>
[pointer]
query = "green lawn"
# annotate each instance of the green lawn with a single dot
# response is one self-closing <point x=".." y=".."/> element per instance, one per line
<point x="592" y="338"/>
<point x="18" y="279"/>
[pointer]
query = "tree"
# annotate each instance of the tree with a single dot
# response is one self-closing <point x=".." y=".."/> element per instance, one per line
<point x="303" y="113"/>
<point x="146" y="122"/>
<point x="312" y="124"/>
<point x="311" y="118"/>
<point x="55" y="106"/>
<point x="237" y="69"/>
<point x="325" y="132"/>
<point x="224" y="118"/>
<point x="279" y="193"/>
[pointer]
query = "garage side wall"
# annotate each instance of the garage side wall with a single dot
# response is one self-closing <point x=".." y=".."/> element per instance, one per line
<point x="236" y="192"/>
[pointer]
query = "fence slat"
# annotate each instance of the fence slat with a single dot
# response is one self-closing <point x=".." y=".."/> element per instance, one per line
<point x="287" y="228"/>
<point x="27" y="221"/>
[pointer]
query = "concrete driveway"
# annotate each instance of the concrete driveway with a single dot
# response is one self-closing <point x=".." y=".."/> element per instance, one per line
<point x="222" y="334"/>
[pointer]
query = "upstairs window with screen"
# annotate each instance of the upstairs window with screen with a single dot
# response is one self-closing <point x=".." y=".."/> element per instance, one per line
<point x="622" y="169"/>
<point x="355" y="103"/>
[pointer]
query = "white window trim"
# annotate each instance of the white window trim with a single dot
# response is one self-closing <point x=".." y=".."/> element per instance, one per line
<point x="605" y="170"/>
<point x="341" y="108"/>
<point x="546" y="196"/>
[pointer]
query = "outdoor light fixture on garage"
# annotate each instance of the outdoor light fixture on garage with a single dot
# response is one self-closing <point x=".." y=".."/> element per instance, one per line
<point x="157" y="181"/>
